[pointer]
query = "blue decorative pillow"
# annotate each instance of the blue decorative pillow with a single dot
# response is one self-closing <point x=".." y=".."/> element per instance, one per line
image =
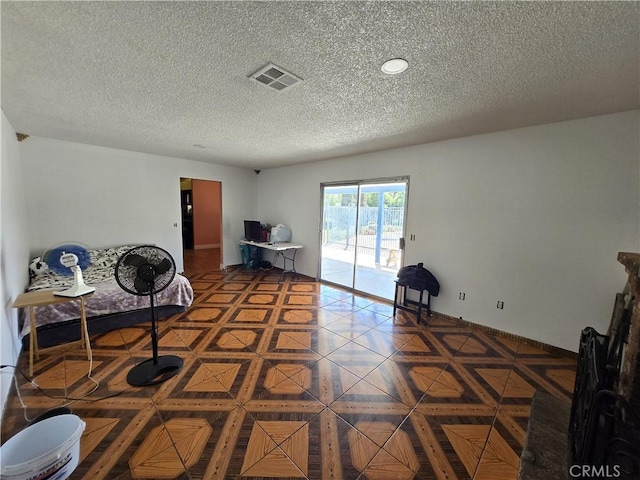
<point x="52" y="258"/>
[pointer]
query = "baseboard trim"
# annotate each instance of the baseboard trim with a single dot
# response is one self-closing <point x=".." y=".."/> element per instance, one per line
<point x="510" y="336"/>
<point x="204" y="247"/>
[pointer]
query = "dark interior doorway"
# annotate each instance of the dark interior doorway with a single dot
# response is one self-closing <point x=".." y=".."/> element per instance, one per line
<point x="201" y="207"/>
<point x="186" y="197"/>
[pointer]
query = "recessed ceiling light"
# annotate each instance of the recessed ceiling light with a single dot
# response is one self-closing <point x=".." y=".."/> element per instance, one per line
<point x="394" y="66"/>
<point x="198" y="145"/>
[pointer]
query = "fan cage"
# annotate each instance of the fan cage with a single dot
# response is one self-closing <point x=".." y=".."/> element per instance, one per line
<point x="126" y="274"/>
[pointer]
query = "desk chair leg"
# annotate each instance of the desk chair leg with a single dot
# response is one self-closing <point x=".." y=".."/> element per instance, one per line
<point x="420" y="307"/>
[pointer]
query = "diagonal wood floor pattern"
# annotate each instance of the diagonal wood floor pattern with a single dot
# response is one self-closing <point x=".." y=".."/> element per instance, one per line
<point x="298" y="380"/>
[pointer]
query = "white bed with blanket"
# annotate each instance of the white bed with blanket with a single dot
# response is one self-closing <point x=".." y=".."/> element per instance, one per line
<point x="110" y="307"/>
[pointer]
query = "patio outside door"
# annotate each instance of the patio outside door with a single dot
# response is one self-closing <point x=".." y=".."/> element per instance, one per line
<point x="362" y="235"/>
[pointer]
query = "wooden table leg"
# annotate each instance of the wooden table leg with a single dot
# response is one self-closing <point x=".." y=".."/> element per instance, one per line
<point x="83" y="343"/>
<point x="33" y="340"/>
<point x="83" y="325"/>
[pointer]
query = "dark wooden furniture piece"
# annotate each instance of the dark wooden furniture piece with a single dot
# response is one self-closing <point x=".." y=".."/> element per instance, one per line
<point x="401" y="292"/>
<point x="418" y="278"/>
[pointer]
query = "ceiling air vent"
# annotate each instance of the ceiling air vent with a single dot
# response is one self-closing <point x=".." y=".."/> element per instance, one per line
<point x="275" y="77"/>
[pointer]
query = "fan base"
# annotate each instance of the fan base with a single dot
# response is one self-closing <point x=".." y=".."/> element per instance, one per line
<point x="154" y="371"/>
<point x="50" y="413"/>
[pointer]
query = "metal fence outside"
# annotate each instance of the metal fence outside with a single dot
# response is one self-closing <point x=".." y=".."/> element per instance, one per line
<point x="340" y="229"/>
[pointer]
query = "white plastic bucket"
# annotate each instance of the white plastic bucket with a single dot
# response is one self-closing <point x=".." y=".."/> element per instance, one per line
<point x="49" y="449"/>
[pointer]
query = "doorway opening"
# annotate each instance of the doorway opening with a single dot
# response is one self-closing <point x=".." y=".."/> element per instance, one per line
<point x="201" y="207"/>
<point x="363" y="228"/>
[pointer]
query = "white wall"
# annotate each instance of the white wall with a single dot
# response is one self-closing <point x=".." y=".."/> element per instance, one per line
<point x="14" y="251"/>
<point x="105" y="197"/>
<point x="534" y="217"/>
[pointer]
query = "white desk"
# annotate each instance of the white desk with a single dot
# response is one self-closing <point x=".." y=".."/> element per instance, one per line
<point x="281" y="249"/>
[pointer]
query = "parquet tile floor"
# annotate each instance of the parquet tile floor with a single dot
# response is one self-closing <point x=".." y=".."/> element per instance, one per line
<point x="298" y="380"/>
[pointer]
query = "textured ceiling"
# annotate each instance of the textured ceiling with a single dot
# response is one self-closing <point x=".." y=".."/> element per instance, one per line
<point x="159" y="77"/>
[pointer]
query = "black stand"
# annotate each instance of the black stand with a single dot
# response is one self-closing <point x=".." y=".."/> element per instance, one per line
<point x="404" y="303"/>
<point x="157" y="369"/>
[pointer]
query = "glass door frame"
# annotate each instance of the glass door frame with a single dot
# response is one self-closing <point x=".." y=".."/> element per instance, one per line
<point x="359" y="184"/>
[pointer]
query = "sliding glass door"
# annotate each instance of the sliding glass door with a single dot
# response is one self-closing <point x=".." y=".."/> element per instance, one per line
<point x="362" y="234"/>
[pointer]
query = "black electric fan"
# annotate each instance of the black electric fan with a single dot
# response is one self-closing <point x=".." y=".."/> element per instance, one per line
<point x="147" y="270"/>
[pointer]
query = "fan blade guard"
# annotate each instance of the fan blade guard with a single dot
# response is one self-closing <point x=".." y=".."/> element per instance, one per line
<point x="145" y="269"/>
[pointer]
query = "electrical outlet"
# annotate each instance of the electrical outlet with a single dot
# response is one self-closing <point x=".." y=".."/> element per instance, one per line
<point x="461" y="295"/>
<point x="500" y="305"/>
